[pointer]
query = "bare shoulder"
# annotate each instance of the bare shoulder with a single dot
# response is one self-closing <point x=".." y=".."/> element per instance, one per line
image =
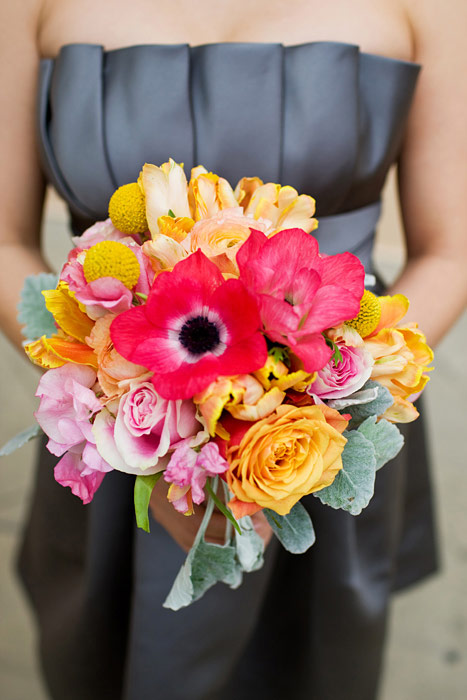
<point x="438" y="28"/>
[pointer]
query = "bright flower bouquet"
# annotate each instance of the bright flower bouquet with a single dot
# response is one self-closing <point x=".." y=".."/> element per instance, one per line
<point x="199" y="333"/>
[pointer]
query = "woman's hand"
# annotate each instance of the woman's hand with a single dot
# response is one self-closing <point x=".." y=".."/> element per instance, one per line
<point x="183" y="528"/>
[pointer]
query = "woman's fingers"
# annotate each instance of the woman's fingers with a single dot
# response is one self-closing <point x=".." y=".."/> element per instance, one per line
<point x="183" y="528"/>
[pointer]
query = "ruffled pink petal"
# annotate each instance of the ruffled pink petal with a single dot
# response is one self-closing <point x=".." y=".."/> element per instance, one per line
<point x="312" y="351"/>
<point x="344" y="270"/>
<point x="331" y="306"/>
<point x="211" y="460"/>
<point x="68" y="472"/>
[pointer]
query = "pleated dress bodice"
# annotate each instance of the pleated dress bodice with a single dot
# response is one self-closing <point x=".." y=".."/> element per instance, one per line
<point x="324" y="117"/>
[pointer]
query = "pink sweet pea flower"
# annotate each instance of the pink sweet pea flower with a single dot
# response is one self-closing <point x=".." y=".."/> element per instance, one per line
<point x="194" y="327"/>
<point x="67" y="403"/>
<point x="66" y="407"/>
<point x="83" y="470"/>
<point x="188" y="470"/>
<point x="300" y="291"/>
<point x="100" y="231"/>
<point x="146" y="427"/>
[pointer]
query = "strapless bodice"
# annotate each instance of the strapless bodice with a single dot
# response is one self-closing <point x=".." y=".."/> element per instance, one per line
<point x="322" y="116"/>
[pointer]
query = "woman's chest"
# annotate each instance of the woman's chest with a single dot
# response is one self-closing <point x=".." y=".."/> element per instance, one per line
<point x="377" y="26"/>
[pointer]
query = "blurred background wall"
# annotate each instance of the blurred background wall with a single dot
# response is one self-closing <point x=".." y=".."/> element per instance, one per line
<point x="427" y="648"/>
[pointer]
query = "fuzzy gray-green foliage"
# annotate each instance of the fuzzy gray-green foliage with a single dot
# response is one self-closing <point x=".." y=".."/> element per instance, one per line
<point x="294" y="530"/>
<point x="354" y="484"/>
<point x="32" y="312"/>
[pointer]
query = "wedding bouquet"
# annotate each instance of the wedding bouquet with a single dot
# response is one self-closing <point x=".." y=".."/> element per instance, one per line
<point x="198" y="335"/>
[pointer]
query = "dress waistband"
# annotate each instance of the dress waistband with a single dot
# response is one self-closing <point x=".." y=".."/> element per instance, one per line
<point x="352" y="231"/>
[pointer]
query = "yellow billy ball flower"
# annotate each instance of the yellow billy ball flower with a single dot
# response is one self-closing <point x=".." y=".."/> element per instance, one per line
<point x="369" y="315"/>
<point x="111" y="259"/>
<point x="127" y="209"/>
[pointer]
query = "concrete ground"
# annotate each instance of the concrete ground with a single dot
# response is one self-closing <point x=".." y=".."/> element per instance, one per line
<point x="427" y="647"/>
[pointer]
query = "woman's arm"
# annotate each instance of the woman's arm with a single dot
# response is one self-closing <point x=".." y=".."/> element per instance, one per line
<point x="433" y="169"/>
<point x="22" y="185"/>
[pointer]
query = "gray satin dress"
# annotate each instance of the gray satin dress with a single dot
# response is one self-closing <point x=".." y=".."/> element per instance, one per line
<point x="329" y="120"/>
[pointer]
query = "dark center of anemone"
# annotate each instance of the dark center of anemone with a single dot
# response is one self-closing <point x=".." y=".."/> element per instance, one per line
<point x="199" y="335"/>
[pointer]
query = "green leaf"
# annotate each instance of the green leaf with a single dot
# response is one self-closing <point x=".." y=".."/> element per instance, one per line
<point x="20" y="439"/>
<point x="294" y="531"/>
<point x="205" y="565"/>
<point x="250" y="546"/>
<point x="32" y="311"/>
<point x="354" y="485"/>
<point x="222" y="507"/>
<point x="386" y="438"/>
<point x="376" y="407"/>
<point x="170" y="213"/>
<point x="143" y="490"/>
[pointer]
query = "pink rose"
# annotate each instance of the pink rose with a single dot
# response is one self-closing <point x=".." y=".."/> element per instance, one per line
<point x="145" y="428"/>
<point x="335" y="381"/>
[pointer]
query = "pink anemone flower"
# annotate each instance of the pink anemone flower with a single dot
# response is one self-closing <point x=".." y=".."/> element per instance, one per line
<point x="300" y="292"/>
<point x="194" y="327"/>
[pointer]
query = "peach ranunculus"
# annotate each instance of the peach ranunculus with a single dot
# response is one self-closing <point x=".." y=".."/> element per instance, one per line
<point x="401" y="358"/>
<point x="114" y="373"/>
<point x="291" y="453"/>
<point x="220" y="237"/>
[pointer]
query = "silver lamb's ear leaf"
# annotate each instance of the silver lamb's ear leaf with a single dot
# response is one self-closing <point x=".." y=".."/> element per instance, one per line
<point x="250" y="546"/>
<point x="205" y="565"/>
<point x="294" y="531"/>
<point x="355" y="399"/>
<point x="32" y="311"/>
<point x="376" y="407"/>
<point x="386" y="438"/>
<point x="181" y="593"/>
<point x="20" y="439"/>
<point x="354" y="485"/>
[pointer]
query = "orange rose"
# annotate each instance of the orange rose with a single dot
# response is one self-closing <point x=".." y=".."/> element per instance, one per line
<point x="291" y="453"/>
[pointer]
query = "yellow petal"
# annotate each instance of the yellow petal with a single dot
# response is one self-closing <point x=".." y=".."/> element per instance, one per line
<point x="245" y="189"/>
<point x="177" y="228"/>
<point x="41" y="356"/>
<point x="66" y="311"/>
<point x="71" y="351"/>
<point x="264" y="407"/>
<point x="402" y="411"/>
<point x="299" y="214"/>
<point x="393" y="309"/>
